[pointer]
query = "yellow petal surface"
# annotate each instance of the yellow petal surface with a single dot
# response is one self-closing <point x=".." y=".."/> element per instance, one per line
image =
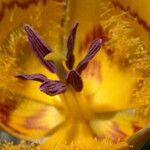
<point x="77" y="135"/>
<point x="139" y="9"/>
<point x="118" y="126"/>
<point x="26" y="117"/>
<point x="115" y="96"/>
<point x="118" y="77"/>
<point x="86" y="13"/>
<point x="25" y="111"/>
<point x="16" y="53"/>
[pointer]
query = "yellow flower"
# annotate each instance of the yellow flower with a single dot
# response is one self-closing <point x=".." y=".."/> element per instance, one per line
<point x="102" y="107"/>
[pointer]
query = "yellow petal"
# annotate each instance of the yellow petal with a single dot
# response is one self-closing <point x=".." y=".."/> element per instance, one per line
<point x="77" y="135"/>
<point x="139" y="9"/>
<point x="110" y="82"/>
<point x="25" y="117"/>
<point x="41" y="14"/>
<point x="108" y="90"/>
<point x="63" y="135"/>
<point x="88" y="21"/>
<point x="23" y="99"/>
<point x="118" y="77"/>
<point x="119" y="126"/>
<point x="16" y="55"/>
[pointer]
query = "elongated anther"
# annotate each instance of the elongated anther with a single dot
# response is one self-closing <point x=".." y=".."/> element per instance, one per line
<point x="53" y="87"/>
<point x="40" y="48"/>
<point x="35" y="77"/>
<point x="94" y="48"/>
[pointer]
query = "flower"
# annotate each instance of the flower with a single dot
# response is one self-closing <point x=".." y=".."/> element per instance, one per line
<point x="113" y="103"/>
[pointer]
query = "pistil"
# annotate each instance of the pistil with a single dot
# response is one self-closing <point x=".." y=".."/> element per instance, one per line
<point x="76" y="106"/>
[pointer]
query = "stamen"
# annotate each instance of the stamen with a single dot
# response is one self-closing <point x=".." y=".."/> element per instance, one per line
<point x="70" y="46"/>
<point x="94" y="48"/>
<point x="40" y="48"/>
<point x="35" y="77"/>
<point x="75" y="80"/>
<point x="53" y="88"/>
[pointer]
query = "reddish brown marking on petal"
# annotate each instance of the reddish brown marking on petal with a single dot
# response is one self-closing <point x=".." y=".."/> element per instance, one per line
<point x="117" y="135"/>
<point x="136" y="127"/>
<point x="100" y="137"/>
<point x="110" y="52"/>
<point x="6" y="108"/>
<point x="60" y="1"/>
<point x="139" y="85"/>
<point x="134" y="14"/>
<point x="93" y="71"/>
<point x="22" y="4"/>
<point x="120" y="60"/>
<point x="95" y="33"/>
<point x="33" y="122"/>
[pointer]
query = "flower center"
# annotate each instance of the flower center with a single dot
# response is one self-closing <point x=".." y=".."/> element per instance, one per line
<point x="53" y="61"/>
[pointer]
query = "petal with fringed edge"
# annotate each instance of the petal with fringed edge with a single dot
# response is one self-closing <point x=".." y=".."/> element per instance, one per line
<point x="136" y="9"/>
<point x="72" y="135"/>
<point x="16" y="56"/>
<point x="119" y="75"/>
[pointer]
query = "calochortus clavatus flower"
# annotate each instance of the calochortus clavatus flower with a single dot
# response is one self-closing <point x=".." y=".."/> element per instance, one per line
<point x="98" y="106"/>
